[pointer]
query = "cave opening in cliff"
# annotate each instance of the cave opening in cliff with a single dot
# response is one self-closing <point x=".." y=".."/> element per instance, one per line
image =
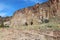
<point x="26" y="24"/>
<point x="31" y="23"/>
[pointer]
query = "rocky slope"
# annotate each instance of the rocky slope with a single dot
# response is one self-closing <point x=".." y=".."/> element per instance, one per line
<point x="4" y="19"/>
<point x="19" y="34"/>
<point x="36" y="14"/>
<point x="33" y="15"/>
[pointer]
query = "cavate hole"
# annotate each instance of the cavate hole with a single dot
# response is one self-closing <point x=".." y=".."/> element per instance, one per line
<point x="26" y="24"/>
<point x="31" y="23"/>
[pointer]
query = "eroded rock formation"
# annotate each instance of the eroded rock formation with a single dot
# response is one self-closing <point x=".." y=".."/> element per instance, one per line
<point x="36" y="14"/>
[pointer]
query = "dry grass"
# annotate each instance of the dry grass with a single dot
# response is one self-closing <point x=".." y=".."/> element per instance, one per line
<point x="55" y="26"/>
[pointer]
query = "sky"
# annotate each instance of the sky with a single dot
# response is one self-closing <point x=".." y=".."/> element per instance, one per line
<point x="8" y="7"/>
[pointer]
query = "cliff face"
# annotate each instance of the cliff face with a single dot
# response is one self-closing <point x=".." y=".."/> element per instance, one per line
<point x="36" y="14"/>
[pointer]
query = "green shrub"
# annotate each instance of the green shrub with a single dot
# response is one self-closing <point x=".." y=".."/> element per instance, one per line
<point x="49" y="26"/>
<point x="46" y="20"/>
<point x="6" y="26"/>
<point x="3" y="26"/>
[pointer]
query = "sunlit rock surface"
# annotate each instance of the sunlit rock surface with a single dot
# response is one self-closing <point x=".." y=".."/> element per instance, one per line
<point x="36" y="14"/>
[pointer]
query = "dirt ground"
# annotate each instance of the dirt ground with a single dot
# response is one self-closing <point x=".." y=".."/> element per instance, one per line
<point x="16" y="34"/>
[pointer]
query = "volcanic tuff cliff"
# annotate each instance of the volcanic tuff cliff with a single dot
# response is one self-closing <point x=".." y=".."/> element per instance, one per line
<point x="36" y="14"/>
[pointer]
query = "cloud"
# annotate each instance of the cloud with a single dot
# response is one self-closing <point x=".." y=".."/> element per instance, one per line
<point x="4" y="6"/>
<point x="1" y="7"/>
<point x="3" y="14"/>
<point x="4" y="9"/>
<point x="35" y="1"/>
